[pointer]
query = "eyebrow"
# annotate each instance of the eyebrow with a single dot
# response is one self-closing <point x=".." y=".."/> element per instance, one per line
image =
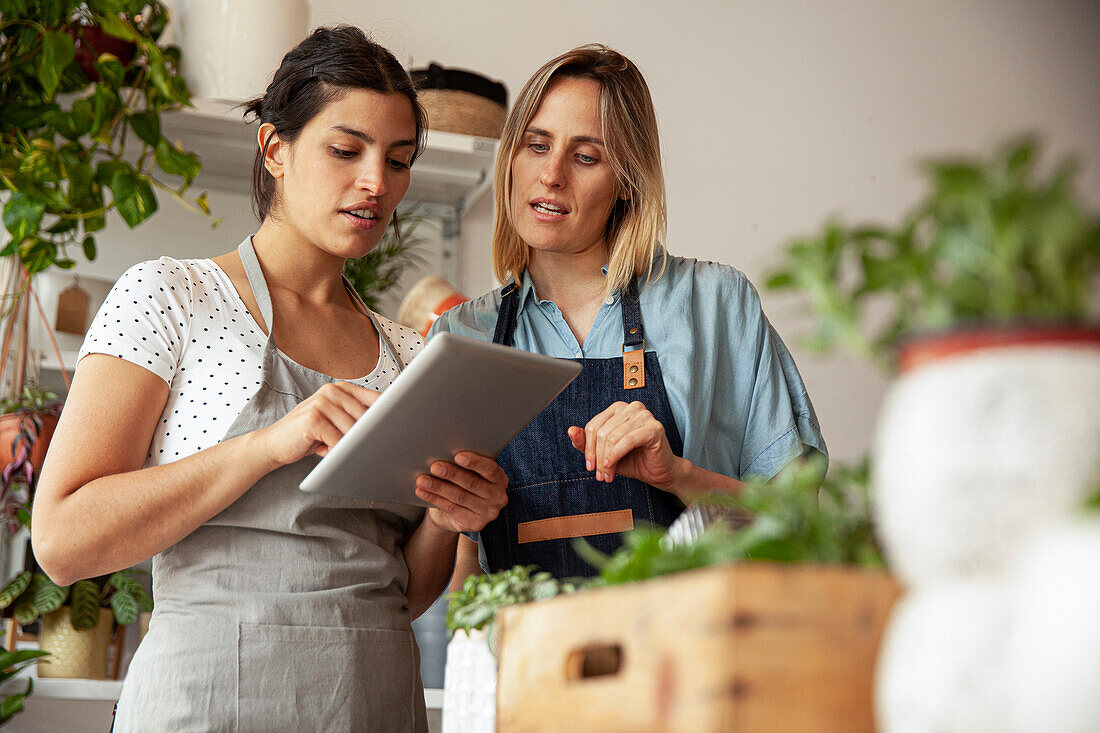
<point x="370" y="140"/>
<point x="576" y="138"/>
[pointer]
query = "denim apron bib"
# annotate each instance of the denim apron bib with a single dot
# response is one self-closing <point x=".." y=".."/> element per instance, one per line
<point x="286" y="611"/>
<point x="552" y="498"/>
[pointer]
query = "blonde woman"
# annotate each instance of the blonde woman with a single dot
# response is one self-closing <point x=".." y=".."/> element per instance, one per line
<point x="685" y="386"/>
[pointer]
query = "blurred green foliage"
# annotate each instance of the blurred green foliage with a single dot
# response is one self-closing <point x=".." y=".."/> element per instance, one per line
<point x="992" y="242"/>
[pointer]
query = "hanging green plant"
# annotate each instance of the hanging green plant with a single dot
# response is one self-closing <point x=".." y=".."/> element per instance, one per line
<point x="82" y="89"/>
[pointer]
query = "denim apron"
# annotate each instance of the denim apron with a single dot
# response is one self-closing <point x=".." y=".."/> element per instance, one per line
<point x="552" y="498"/>
<point x="286" y="611"/>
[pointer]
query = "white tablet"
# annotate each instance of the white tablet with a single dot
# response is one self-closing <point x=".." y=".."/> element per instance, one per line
<point x="457" y="394"/>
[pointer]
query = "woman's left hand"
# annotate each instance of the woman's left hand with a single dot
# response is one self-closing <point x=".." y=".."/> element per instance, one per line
<point x="466" y="495"/>
<point x="627" y="439"/>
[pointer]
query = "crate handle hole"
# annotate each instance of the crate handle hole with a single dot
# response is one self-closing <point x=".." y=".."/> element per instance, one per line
<point x="595" y="660"/>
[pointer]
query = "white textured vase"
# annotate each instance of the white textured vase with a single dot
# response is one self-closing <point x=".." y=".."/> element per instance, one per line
<point x="1053" y="659"/>
<point x="973" y="452"/>
<point x="470" y="685"/>
<point x="231" y="48"/>
<point x="941" y="663"/>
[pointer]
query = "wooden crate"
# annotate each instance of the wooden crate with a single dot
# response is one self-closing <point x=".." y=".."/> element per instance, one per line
<point x="749" y="647"/>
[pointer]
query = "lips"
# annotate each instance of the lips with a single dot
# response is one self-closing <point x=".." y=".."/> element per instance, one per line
<point x="548" y="209"/>
<point x="363" y="210"/>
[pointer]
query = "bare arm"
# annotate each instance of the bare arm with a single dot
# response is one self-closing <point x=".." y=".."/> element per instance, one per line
<point x="96" y="510"/>
<point x="466" y="563"/>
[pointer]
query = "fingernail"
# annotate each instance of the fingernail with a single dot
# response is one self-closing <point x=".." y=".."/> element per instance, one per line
<point x="589" y="465"/>
<point x="462" y="459"/>
<point x="423" y="483"/>
<point x="439" y="469"/>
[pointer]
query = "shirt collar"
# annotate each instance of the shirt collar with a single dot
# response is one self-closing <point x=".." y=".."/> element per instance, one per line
<point x="527" y="288"/>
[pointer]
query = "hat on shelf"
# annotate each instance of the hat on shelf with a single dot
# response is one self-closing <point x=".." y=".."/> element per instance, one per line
<point x="461" y="101"/>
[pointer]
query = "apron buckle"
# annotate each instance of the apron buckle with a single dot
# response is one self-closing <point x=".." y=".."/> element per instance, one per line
<point x="634" y="367"/>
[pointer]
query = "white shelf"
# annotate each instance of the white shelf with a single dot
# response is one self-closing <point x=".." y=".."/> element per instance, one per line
<point x="108" y="690"/>
<point x="453" y="171"/>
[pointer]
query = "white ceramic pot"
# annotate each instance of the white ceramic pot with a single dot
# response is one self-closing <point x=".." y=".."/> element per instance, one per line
<point x="972" y="452"/>
<point x="231" y="48"/>
<point x="941" y="661"/>
<point x="470" y="685"/>
<point x="1054" y="647"/>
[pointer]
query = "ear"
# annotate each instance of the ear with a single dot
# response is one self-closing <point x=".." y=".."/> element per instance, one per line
<point x="274" y="153"/>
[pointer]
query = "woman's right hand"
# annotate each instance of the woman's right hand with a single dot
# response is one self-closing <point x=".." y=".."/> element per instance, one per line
<point x="316" y="423"/>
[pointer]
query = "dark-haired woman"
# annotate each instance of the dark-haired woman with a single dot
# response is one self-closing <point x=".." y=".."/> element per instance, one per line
<point x="205" y="392"/>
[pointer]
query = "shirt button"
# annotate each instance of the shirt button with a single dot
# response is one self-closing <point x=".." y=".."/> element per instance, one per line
<point x="609" y="300"/>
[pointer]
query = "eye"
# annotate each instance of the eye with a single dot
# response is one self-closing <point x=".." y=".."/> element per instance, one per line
<point x="399" y="165"/>
<point x="341" y="153"/>
<point x="587" y="159"/>
<point x="539" y="147"/>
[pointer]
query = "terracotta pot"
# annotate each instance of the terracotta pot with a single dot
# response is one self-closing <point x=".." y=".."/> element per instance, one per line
<point x="91" y="41"/>
<point x="74" y="654"/>
<point x="9" y="431"/>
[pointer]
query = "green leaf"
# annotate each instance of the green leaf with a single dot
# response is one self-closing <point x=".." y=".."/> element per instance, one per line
<point x="58" y="51"/>
<point x="111" y="70"/>
<point x="85" y="604"/>
<point x="117" y="27"/>
<point x="105" y="105"/>
<point x="125" y="607"/>
<point x="15" y="588"/>
<point x="24" y="611"/>
<point x="133" y="197"/>
<point x="89" y="247"/>
<point x="147" y="126"/>
<point x="49" y="596"/>
<point x="22" y="216"/>
<point x="176" y="161"/>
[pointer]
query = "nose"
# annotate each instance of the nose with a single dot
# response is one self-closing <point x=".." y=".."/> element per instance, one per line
<point x="371" y="176"/>
<point x="553" y="173"/>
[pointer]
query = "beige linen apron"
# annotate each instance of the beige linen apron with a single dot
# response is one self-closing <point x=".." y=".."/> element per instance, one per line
<point x="286" y="611"/>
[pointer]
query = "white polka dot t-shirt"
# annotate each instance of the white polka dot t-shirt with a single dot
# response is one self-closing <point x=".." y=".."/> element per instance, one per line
<point x="184" y="321"/>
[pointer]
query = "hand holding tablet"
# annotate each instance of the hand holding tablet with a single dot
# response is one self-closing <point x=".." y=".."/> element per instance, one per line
<point x="458" y="394"/>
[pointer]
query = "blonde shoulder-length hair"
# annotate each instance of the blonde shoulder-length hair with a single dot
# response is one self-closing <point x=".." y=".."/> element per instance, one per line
<point x="635" y="230"/>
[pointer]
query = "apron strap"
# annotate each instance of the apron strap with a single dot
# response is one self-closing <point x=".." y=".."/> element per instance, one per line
<point x="633" y="334"/>
<point x="256" y="281"/>
<point x="387" y="343"/>
<point x="633" y="338"/>
<point x="506" y="315"/>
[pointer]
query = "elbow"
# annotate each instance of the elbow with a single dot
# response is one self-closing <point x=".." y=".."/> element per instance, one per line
<point x="50" y="557"/>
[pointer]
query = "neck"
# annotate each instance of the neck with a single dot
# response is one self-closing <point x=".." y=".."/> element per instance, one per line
<point x="291" y="262"/>
<point x="572" y="281"/>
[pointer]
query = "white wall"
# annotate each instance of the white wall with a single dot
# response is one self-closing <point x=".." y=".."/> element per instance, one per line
<point x="774" y="115"/>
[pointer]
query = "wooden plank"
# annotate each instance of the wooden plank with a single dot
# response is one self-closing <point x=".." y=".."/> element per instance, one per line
<point x="746" y="647"/>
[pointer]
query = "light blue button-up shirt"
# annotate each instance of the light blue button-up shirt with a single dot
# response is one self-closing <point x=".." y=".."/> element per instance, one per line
<point x="736" y="395"/>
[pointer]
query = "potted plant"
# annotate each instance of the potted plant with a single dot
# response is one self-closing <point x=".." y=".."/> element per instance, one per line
<point x="82" y="88"/>
<point x="981" y="298"/>
<point x="75" y="621"/>
<point x="984" y="299"/>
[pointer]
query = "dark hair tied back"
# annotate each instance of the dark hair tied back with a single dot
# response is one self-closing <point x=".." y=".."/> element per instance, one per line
<point x="319" y="70"/>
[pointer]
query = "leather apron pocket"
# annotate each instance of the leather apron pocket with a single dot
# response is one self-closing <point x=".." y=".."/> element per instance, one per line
<point x="326" y="678"/>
